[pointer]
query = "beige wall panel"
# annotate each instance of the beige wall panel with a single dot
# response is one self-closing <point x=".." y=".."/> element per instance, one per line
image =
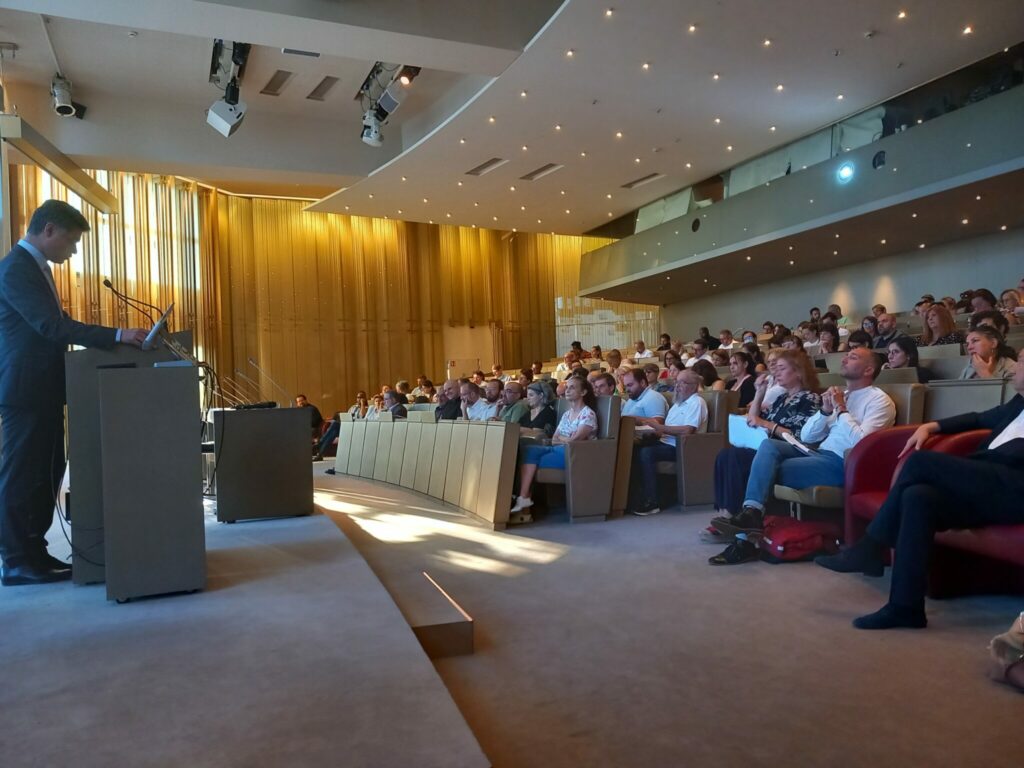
<point x="456" y="459"/>
<point x="496" y="475"/>
<point x="425" y="457"/>
<point x="380" y="464"/>
<point x="346" y="432"/>
<point x="355" y="458"/>
<point x="439" y="465"/>
<point x="399" y="435"/>
<point x="370" y="449"/>
<point x="410" y="459"/>
<point x="472" y="466"/>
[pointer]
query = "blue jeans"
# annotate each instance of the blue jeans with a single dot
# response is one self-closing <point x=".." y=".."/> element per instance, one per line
<point x="779" y="462"/>
<point x="545" y="456"/>
<point x="643" y="493"/>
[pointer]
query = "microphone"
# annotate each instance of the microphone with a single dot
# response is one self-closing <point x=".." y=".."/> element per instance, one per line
<point x="279" y="388"/>
<point x="133" y="303"/>
<point x="241" y="375"/>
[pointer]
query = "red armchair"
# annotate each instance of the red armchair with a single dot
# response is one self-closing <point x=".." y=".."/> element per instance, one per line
<point x="963" y="562"/>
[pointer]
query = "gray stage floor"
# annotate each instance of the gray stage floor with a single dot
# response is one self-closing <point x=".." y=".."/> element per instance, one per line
<point x="294" y="655"/>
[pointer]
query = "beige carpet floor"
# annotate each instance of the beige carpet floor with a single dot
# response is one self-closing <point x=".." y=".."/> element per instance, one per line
<point x="615" y="644"/>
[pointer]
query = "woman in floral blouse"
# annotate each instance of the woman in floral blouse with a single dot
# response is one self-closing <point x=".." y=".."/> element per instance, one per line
<point x="578" y="423"/>
<point x="794" y="372"/>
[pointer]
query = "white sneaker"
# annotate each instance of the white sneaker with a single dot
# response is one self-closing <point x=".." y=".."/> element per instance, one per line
<point x="522" y="503"/>
<point x="646" y="512"/>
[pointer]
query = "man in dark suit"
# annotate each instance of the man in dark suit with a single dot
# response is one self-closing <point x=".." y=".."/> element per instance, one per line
<point x="937" y="492"/>
<point x="34" y="334"/>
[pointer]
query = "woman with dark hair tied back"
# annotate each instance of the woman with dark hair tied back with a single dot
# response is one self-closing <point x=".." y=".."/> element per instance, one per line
<point x="708" y="375"/>
<point x="870" y="325"/>
<point x="741" y="366"/>
<point x="902" y="353"/>
<point x="990" y="358"/>
<point x="828" y="339"/>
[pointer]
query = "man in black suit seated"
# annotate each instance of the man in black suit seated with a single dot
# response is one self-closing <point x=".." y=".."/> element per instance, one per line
<point x="393" y="402"/>
<point x="449" y="404"/>
<point x="937" y="492"/>
<point x="315" y="418"/>
<point x="35" y="331"/>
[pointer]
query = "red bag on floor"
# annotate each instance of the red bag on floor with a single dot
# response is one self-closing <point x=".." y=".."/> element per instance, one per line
<point x="787" y="540"/>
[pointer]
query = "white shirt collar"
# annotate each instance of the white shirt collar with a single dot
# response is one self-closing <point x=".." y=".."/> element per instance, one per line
<point x="35" y="253"/>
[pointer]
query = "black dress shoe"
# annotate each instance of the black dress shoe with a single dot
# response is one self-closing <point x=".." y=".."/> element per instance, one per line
<point x="863" y="557"/>
<point x="19" y="575"/>
<point x="891" y="616"/>
<point x="46" y="560"/>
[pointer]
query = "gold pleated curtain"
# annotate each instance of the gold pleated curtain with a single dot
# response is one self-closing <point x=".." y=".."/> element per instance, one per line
<point x="324" y="304"/>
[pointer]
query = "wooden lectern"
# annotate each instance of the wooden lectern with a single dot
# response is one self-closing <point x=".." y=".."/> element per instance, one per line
<point x="136" y="490"/>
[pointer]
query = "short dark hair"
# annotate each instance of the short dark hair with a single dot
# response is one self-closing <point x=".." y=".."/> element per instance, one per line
<point x="302" y="396"/>
<point x="860" y="337"/>
<point x="607" y="378"/>
<point x="998" y="320"/>
<point x="58" y="213"/>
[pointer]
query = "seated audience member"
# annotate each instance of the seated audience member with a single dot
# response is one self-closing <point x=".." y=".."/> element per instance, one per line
<point x="563" y="368"/>
<point x="513" y="406"/>
<point x="928" y="297"/>
<point x="640" y="350"/>
<point x="537" y="367"/>
<point x="700" y="352"/>
<point x="392" y="404"/>
<point x="790" y="341"/>
<point x="741" y="368"/>
<point x="949" y="303"/>
<point x="990" y="358"/>
<point x="815" y="315"/>
<point x="615" y="366"/>
<point x="878" y="310"/>
<point x="315" y="418"/>
<point x="670" y="359"/>
<point x="1012" y="310"/>
<point x="710" y="342"/>
<point x="604" y="385"/>
<point x="841" y="319"/>
<point x="992" y="318"/>
<point x="403" y="388"/>
<point x="490" y="399"/>
<point x="525" y="377"/>
<point x="659" y="385"/>
<point x="357" y="412"/>
<point x="859" y="340"/>
<point x="540" y="419"/>
<point x="720" y="358"/>
<point x="902" y="353"/>
<point x="581" y="353"/>
<point x="938" y="492"/>
<point x="428" y="394"/>
<point x="846" y="416"/>
<point x="708" y="375"/>
<point x="579" y="372"/>
<point x="756" y="355"/>
<point x="828" y="340"/>
<point x="983" y="300"/>
<point x="726" y="340"/>
<point x="748" y="337"/>
<point x="678" y="348"/>
<point x="939" y="328"/>
<point x="688" y="414"/>
<point x="417" y="391"/>
<point x="870" y="326"/>
<point x="793" y="373"/>
<point x="578" y="423"/>
<point x="478" y="378"/>
<point x="921" y="308"/>
<point x="596" y="354"/>
<point x="498" y="373"/>
<point x="644" y="404"/>
<point x="811" y="339"/>
<point x="664" y="343"/>
<point x="768" y="328"/>
<point x="449" y="404"/>
<point x="887" y="331"/>
<point x="361" y="406"/>
<point x="375" y="410"/>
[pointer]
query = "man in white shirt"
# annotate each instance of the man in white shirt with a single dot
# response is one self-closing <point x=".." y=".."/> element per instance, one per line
<point x="499" y="374"/>
<point x="646" y="405"/>
<point x="641" y="351"/>
<point x="564" y="368"/>
<point x="700" y="352"/>
<point x="726" y="340"/>
<point x="844" y="419"/>
<point x="937" y="492"/>
<point x="688" y="414"/>
<point x="475" y="407"/>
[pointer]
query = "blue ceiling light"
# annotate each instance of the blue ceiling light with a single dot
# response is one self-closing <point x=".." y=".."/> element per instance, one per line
<point x="845" y="172"/>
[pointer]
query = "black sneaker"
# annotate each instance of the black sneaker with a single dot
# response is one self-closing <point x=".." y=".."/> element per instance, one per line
<point x="740" y="551"/>
<point x="750" y="520"/>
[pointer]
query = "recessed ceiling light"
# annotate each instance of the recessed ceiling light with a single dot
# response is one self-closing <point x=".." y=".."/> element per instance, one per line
<point x="522" y="207"/>
<point x="426" y="200"/>
<point x="462" y="141"/>
<point x="839" y="97"/>
<point x="791" y="262"/>
<point x="459" y="183"/>
<point x="718" y="121"/>
<point x="901" y="15"/>
<point x="512" y="188"/>
<point x="609" y="195"/>
<point x="618" y="134"/>
<point x="491" y="119"/>
<point x="522" y="94"/>
<point x="1002" y="228"/>
<point x="705" y="279"/>
<point x="525" y="147"/>
<point x="729" y="148"/>
<point x="570" y="53"/>
<point x="370" y="195"/>
<point x="474" y="226"/>
<point x="567" y="210"/>
<point x="767" y="41"/>
<point x="448" y="215"/>
<point x="346" y="207"/>
<point x="561" y="191"/>
<point x="977" y="197"/>
<point x="882" y="241"/>
<point x="692" y="28"/>
<point x="716" y="76"/>
<point x="913" y="215"/>
<point x="689" y="166"/>
<point x="583" y="154"/>
<point x="965" y="221"/>
<point x="558" y="126"/>
<point x="514" y="229"/>
<point x="748" y="258"/>
<point x="919" y="121"/>
<point x="837" y="235"/>
<point x="668" y="277"/>
<point x="968" y="145"/>
<point x="495" y="218"/>
<point x="430" y="221"/>
<point x="538" y="221"/>
<point x="404" y="179"/>
<point x="476" y="204"/>
<point x="835" y="253"/>
<point x="791" y="247"/>
<point x="609" y="12"/>
<point x="645" y="66"/>
<point x="920" y="245"/>
<point x="636" y="159"/>
<point x="772" y="129"/>
<point x="780" y="87"/>
<point x="610" y="214"/>
<point x="968" y="30"/>
<point x="811" y="201"/>
<point x="399" y="211"/>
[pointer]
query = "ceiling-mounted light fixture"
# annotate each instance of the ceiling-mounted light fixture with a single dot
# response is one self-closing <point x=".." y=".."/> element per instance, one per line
<point x="407" y="74"/>
<point x="226" y="114"/>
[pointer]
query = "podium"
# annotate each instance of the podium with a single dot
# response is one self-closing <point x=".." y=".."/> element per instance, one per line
<point x="136" y="490"/>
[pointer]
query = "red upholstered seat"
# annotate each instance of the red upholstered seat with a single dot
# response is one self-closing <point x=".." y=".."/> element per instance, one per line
<point x="984" y="559"/>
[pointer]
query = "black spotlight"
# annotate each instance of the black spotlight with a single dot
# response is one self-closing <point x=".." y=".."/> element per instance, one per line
<point x="878" y="160"/>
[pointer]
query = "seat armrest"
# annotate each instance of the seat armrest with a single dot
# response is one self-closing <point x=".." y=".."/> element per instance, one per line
<point x="695" y="467"/>
<point x="589" y="477"/>
<point x="961" y="443"/>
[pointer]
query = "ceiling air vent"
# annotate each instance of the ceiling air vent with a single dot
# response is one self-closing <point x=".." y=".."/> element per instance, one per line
<point x="323" y="87"/>
<point x="276" y="82"/>
<point x="541" y="172"/>
<point x="643" y="180"/>
<point x="490" y="165"/>
<point x="299" y="52"/>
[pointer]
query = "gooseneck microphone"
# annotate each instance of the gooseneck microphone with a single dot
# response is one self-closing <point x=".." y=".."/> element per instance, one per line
<point x="278" y="387"/>
<point x="139" y="306"/>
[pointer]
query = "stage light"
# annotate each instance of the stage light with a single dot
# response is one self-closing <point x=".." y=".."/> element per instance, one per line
<point x="845" y="172"/>
<point x="408" y="74"/>
<point x="60" y="89"/>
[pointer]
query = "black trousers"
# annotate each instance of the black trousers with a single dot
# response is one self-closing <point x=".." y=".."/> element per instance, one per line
<point x="937" y="492"/>
<point x="31" y="469"/>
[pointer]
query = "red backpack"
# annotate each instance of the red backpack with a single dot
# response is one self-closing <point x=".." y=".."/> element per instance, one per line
<point x="787" y="540"/>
